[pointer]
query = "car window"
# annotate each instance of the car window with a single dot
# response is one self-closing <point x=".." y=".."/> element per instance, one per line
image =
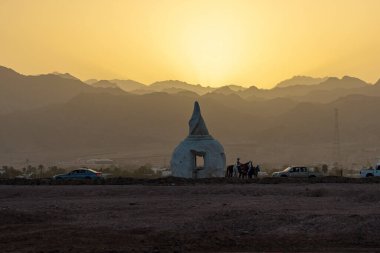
<point x="378" y="167"/>
<point x="74" y="172"/>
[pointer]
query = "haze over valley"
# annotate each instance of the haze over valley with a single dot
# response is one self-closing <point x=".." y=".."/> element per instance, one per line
<point x="59" y="119"/>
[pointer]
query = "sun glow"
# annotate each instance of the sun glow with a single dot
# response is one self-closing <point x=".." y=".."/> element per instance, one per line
<point x="213" y="47"/>
<point x="213" y="42"/>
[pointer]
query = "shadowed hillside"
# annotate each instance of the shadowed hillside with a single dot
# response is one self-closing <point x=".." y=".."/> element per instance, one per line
<point x="20" y="92"/>
<point x="48" y="118"/>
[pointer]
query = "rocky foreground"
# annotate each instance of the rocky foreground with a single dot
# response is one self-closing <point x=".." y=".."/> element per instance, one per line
<point x="191" y="216"/>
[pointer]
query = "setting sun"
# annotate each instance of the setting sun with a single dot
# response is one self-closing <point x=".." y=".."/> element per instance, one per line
<point x="213" y="47"/>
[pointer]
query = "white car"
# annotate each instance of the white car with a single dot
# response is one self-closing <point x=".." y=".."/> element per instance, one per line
<point x="297" y="171"/>
<point x="371" y="172"/>
<point x="25" y="176"/>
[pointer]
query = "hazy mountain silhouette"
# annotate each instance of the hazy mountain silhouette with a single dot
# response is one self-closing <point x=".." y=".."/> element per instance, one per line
<point x="51" y="118"/>
<point x="345" y="82"/>
<point x="301" y="80"/>
<point x="91" y="81"/>
<point x="332" y="87"/>
<point x="128" y="85"/>
<point x="235" y="87"/>
<point x="104" y="84"/>
<point x="225" y="90"/>
<point x="65" y="75"/>
<point x="229" y="89"/>
<point x="169" y="84"/>
<point x="106" y="123"/>
<point x="20" y="92"/>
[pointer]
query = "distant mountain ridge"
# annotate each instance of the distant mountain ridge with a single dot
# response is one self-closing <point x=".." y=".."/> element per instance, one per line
<point x="65" y="75"/>
<point x="49" y="118"/>
<point x="128" y="85"/>
<point x="301" y="80"/>
<point x="20" y="92"/>
<point x="104" y="84"/>
<point x="313" y="89"/>
<point x="298" y="87"/>
<point x="180" y="85"/>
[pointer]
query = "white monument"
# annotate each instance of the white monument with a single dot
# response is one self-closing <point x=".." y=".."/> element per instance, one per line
<point x="199" y="155"/>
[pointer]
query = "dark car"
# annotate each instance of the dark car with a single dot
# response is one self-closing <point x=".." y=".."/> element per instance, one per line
<point x="80" y="174"/>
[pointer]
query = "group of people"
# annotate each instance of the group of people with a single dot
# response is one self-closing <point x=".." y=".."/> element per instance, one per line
<point x="243" y="170"/>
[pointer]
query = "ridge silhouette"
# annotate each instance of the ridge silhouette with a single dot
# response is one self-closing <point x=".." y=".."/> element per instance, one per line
<point x="49" y="118"/>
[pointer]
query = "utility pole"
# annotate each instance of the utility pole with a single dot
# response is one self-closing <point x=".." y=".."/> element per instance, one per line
<point x="336" y="152"/>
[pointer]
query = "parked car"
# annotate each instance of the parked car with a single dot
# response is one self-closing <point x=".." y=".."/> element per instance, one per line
<point x="297" y="171"/>
<point x="80" y="174"/>
<point x="25" y="176"/>
<point x="371" y="171"/>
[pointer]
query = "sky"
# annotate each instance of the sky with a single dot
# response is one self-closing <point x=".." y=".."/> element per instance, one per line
<point x="210" y="42"/>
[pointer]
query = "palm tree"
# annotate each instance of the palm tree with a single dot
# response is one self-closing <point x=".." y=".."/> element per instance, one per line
<point x="40" y="169"/>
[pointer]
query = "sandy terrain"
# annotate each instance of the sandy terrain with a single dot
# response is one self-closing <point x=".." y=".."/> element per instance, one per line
<point x="322" y="217"/>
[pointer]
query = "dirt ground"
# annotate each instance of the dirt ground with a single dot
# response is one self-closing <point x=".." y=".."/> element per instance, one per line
<point x="319" y="217"/>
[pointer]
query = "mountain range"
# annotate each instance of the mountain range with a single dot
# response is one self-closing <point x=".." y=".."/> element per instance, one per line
<point x="58" y="119"/>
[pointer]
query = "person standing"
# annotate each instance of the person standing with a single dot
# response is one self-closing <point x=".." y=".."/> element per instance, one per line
<point x="256" y="171"/>
<point x="250" y="169"/>
<point x="238" y="166"/>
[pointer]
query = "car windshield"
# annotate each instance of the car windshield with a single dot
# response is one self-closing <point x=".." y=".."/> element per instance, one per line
<point x="90" y="170"/>
<point x="83" y="171"/>
<point x="287" y="169"/>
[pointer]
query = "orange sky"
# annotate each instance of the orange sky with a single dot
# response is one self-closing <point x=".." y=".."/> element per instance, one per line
<point x="213" y="42"/>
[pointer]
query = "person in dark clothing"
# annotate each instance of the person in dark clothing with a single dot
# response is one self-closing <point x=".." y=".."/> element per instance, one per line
<point x="238" y="166"/>
<point x="256" y="171"/>
<point x="251" y="169"/>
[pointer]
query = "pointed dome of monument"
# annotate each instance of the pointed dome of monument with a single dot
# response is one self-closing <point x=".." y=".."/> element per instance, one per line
<point x="197" y="125"/>
<point x="199" y="155"/>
